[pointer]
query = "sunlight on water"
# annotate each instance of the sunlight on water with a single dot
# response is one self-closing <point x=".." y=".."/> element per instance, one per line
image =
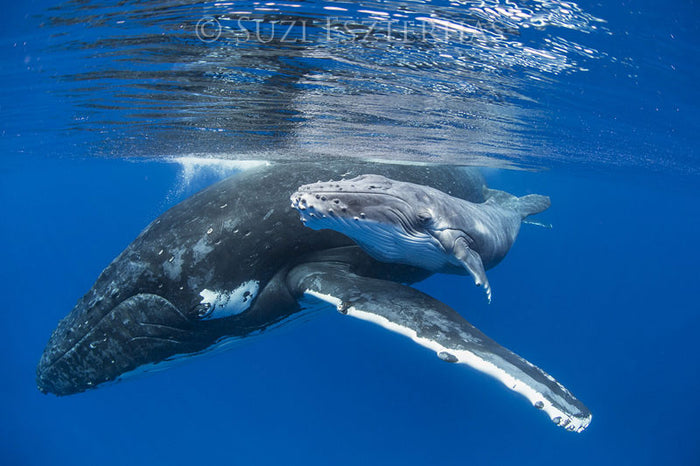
<point x="526" y="84"/>
<point x="448" y="82"/>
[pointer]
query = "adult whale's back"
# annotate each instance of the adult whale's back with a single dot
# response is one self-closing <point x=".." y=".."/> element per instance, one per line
<point x="240" y="232"/>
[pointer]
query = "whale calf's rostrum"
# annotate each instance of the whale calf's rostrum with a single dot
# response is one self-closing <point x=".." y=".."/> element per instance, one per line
<point x="234" y="261"/>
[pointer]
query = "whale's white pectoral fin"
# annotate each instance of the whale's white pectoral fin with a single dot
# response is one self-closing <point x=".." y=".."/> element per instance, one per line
<point x="471" y="260"/>
<point x="436" y="326"/>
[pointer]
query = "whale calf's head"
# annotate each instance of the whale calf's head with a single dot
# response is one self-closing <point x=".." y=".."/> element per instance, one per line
<point x="393" y="221"/>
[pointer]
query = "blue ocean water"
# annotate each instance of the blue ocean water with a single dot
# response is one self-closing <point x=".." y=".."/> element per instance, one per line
<point x="95" y="113"/>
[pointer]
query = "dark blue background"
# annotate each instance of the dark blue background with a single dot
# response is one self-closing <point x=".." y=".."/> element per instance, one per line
<point x="605" y="301"/>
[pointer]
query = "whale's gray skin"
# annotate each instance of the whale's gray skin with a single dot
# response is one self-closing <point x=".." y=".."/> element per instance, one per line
<point x="233" y="261"/>
<point x="408" y="223"/>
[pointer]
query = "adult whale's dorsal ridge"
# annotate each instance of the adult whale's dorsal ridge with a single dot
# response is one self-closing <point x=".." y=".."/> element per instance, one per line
<point x="233" y="262"/>
<point x="403" y="222"/>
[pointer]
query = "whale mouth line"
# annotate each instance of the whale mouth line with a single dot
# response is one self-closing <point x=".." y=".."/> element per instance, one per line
<point x="58" y="372"/>
<point x="54" y="361"/>
<point x="99" y="321"/>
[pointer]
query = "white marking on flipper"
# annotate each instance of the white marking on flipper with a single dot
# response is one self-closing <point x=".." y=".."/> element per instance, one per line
<point x="568" y="421"/>
<point x="337" y="302"/>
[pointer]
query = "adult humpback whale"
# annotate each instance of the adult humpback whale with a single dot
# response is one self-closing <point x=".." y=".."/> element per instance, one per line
<point x="233" y="261"/>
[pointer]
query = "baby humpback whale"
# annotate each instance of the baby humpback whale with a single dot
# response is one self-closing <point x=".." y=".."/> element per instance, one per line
<point x="233" y="261"/>
<point x="395" y="221"/>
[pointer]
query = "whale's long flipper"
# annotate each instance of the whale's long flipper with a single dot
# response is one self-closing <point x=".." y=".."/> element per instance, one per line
<point x="436" y="326"/>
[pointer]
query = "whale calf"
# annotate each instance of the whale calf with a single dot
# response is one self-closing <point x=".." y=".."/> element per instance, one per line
<point x="407" y="223"/>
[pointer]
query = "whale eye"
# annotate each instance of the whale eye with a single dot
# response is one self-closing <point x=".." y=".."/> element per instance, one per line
<point x="424" y="217"/>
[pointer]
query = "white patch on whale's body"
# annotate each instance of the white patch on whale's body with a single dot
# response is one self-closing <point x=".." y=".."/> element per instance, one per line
<point x="173" y="266"/>
<point x="229" y="303"/>
<point x="201" y="249"/>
